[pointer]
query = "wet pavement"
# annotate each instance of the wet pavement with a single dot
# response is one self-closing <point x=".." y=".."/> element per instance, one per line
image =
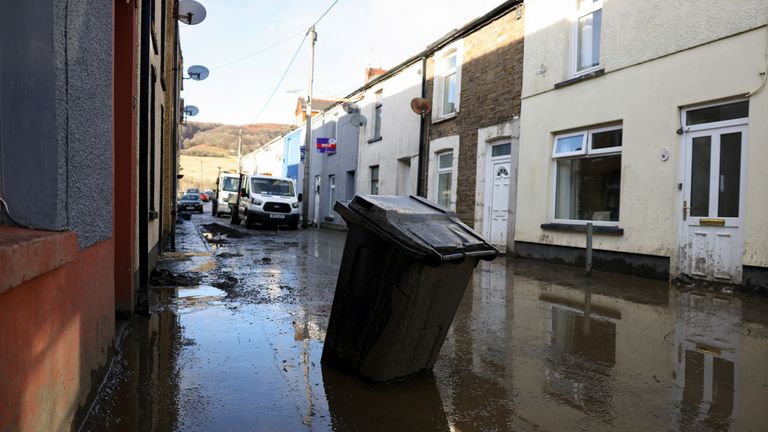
<point x="239" y="318"/>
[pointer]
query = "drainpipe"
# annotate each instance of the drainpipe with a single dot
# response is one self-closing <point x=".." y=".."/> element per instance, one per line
<point x="175" y="132"/>
<point x="423" y="137"/>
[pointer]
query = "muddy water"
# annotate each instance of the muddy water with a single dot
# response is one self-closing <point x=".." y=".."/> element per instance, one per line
<point x="533" y="347"/>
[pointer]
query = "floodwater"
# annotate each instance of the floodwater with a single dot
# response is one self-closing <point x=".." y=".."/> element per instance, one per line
<point x="533" y="347"/>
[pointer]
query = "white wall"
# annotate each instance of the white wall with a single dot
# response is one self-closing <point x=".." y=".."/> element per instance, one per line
<point x="399" y="131"/>
<point x="646" y="99"/>
<point x="632" y="32"/>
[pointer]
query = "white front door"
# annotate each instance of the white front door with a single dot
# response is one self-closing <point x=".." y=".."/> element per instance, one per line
<point x="713" y="204"/>
<point x="315" y="217"/>
<point x="497" y="208"/>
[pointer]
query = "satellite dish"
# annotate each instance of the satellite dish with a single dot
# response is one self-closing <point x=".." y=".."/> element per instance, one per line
<point x="197" y="72"/>
<point x="191" y="110"/>
<point x="357" y="120"/>
<point x="350" y="107"/>
<point x="191" y="12"/>
<point x="421" y="106"/>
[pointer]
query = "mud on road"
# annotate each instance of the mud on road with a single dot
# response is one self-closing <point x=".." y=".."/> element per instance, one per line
<point x="239" y="318"/>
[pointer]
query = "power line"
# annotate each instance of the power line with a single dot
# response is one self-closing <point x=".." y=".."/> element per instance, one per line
<point x="255" y="53"/>
<point x="298" y="49"/>
<point x="293" y="59"/>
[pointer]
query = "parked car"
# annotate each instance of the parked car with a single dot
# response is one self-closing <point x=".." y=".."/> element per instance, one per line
<point x="204" y="196"/>
<point x="191" y="202"/>
<point x="208" y="195"/>
<point x="192" y="191"/>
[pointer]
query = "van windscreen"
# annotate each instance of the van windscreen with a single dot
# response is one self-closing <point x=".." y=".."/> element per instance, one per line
<point x="229" y="184"/>
<point x="267" y="186"/>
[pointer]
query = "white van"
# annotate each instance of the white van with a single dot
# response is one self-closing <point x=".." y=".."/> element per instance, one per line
<point x="226" y="185"/>
<point x="267" y="200"/>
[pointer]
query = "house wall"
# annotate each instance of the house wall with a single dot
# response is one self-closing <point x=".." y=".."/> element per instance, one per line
<point x="399" y="132"/>
<point x="56" y="172"/>
<point x="646" y="99"/>
<point x="632" y="33"/>
<point x="491" y="76"/>
<point x="291" y="151"/>
<point x="56" y="116"/>
<point x="334" y="123"/>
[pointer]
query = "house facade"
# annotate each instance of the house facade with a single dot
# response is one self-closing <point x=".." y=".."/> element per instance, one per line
<point x="332" y="172"/>
<point x="644" y="119"/>
<point x="388" y="155"/>
<point x="474" y="81"/>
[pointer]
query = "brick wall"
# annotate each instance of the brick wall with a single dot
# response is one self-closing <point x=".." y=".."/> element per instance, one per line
<point x="491" y="78"/>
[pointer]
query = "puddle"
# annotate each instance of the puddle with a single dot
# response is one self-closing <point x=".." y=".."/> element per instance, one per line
<point x="201" y="292"/>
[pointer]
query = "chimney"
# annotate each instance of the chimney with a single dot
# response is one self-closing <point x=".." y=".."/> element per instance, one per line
<point x="371" y="73"/>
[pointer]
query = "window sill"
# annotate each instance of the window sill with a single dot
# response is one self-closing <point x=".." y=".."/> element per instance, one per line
<point x="374" y="139"/>
<point x="450" y="116"/>
<point x="580" y="78"/>
<point x="27" y="254"/>
<point x="597" y="229"/>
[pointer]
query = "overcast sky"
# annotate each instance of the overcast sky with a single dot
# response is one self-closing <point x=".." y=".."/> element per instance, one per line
<point x="354" y="35"/>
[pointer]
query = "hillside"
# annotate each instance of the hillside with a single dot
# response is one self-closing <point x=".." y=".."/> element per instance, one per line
<point x="219" y="140"/>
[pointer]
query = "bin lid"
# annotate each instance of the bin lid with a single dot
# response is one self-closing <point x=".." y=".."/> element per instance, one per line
<point x="420" y="227"/>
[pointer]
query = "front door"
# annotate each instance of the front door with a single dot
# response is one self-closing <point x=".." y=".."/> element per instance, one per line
<point x="315" y="216"/>
<point x="500" y="164"/>
<point x="713" y="204"/>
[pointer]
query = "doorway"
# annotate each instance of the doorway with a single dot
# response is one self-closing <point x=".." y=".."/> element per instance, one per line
<point x="499" y="174"/>
<point x="712" y="216"/>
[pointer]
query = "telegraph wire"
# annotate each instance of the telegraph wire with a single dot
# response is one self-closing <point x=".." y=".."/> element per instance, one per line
<point x="255" y="53"/>
<point x="288" y="68"/>
<point x="298" y="49"/>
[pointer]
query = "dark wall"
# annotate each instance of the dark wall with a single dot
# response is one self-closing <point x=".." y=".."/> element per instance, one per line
<point x="56" y="115"/>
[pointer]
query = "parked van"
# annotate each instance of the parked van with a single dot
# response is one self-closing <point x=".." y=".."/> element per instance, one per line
<point x="226" y="185"/>
<point x="267" y="200"/>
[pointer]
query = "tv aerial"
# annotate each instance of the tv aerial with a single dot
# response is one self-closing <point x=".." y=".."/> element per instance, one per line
<point x="190" y="12"/>
<point x="197" y="73"/>
<point x="421" y="106"/>
<point x="191" y="110"/>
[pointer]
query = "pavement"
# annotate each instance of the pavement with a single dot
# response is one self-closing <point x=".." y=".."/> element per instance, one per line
<point x="239" y="317"/>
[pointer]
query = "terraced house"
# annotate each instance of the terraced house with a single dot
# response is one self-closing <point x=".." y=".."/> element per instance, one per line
<point x="646" y="119"/>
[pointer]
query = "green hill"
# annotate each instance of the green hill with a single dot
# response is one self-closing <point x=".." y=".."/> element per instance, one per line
<point x="203" y="139"/>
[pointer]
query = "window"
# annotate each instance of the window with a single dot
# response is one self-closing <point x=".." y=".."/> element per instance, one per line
<point x="375" y="180"/>
<point x="588" y="174"/>
<point x="444" y="178"/>
<point x="332" y="194"/>
<point x="586" y="38"/>
<point x="377" y="118"/>
<point x="447" y="84"/>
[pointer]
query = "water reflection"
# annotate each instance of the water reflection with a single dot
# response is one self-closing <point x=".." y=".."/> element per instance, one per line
<point x="412" y="404"/>
<point x="707" y="339"/>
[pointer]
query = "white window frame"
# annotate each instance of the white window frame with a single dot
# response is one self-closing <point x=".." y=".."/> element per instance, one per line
<point x="378" y="179"/>
<point x="444" y="170"/>
<point x="436" y="147"/>
<point x="580" y="13"/>
<point x="586" y="153"/>
<point x="438" y="84"/>
<point x="378" y="102"/>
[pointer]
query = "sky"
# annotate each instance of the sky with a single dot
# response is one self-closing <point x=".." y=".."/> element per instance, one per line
<point x="248" y="44"/>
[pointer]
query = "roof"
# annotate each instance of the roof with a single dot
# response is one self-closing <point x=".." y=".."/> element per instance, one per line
<point x="317" y="104"/>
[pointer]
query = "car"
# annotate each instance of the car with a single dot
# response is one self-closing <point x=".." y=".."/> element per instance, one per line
<point x="204" y="196"/>
<point x="190" y="202"/>
<point x="192" y="191"/>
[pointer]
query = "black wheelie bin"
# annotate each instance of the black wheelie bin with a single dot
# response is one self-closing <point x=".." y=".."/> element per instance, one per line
<point x="406" y="264"/>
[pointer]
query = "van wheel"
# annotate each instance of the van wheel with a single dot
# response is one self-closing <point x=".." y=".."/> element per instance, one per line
<point x="248" y="220"/>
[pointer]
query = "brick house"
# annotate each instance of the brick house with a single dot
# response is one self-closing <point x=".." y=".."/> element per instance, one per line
<point x="474" y="78"/>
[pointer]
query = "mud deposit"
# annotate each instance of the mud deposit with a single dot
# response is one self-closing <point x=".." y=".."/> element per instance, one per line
<point x="533" y="347"/>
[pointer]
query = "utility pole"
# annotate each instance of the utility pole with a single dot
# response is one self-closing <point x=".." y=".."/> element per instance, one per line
<point x="308" y="132"/>
<point x="240" y="151"/>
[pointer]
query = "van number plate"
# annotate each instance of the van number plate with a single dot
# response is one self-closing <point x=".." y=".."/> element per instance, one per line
<point x="274" y="216"/>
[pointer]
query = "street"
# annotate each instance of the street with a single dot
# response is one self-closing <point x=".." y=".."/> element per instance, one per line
<point x="239" y="317"/>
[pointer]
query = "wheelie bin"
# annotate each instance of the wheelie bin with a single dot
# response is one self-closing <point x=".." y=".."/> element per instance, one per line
<point x="405" y="267"/>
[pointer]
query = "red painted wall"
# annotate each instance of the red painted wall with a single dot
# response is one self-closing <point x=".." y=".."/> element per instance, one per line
<point x="55" y="332"/>
<point x="125" y="165"/>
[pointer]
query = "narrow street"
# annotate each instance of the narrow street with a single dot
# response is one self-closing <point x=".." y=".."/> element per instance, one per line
<point x="237" y="328"/>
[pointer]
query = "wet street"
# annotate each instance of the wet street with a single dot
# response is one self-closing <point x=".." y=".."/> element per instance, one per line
<point x="239" y="318"/>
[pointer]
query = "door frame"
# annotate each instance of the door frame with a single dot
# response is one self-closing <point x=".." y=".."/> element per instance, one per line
<point x="687" y="134"/>
<point x="489" y="176"/>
